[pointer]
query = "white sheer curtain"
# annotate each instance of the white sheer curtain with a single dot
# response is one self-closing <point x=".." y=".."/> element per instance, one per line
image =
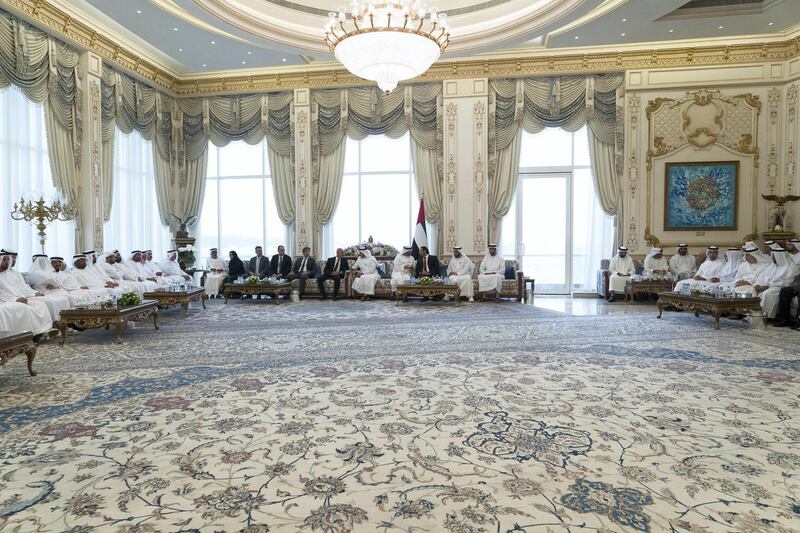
<point x="135" y="223"/>
<point x="25" y="172"/>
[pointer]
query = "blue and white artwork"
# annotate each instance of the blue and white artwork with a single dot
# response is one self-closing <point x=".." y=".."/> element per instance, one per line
<point x="701" y="196"/>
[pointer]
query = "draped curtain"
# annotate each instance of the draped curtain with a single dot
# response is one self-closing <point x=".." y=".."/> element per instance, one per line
<point x="46" y="70"/>
<point x="567" y="102"/>
<point x="358" y="112"/>
<point x="180" y="130"/>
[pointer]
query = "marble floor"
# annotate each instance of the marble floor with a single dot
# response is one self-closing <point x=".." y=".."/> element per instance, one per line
<point x="583" y="306"/>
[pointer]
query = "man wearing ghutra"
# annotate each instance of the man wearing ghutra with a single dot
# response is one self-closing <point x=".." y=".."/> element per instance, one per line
<point x="15" y="283"/>
<point x="622" y="269"/>
<point x="707" y="274"/>
<point x="367" y="274"/>
<point x="403" y="268"/>
<point x="459" y="269"/>
<point x="682" y="265"/>
<point x="656" y="266"/>
<point x="217" y="272"/>
<point x="33" y="314"/>
<point x="491" y="273"/>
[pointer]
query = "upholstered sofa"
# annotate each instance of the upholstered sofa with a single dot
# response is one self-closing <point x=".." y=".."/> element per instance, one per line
<point x="603" y="274"/>
<point x="512" y="288"/>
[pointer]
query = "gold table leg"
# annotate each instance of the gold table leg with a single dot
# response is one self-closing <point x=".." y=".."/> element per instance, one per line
<point x="31" y="353"/>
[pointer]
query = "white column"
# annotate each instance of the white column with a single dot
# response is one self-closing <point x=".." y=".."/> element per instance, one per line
<point x="304" y="206"/>
<point x="91" y="187"/>
<point x="465" y="210"/>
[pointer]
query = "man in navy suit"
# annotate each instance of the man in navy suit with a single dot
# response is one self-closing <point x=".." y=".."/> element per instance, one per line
<point x="335" y="267"/>
<point x="280" y="264"/>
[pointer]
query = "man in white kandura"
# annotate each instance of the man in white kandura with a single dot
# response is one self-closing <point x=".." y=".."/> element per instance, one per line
<point x="403" y="269"/>
<point x="656" y="265"/>
<point x="43" y="279"/>
<point x="707" y="274"/>
<point x="682" y="265"/>
<point x="152" y="271"/>
<point x="459" y="269"/>
<point x="768" y="283"/>
<point x="735" y="258"/>
<point x="31" y="314"/>
<point x="217" y="272"/>
<point x="171" y="269"/>
<point x="793" y="247"/>
<point x="17" y="285"/>
<point x="622" y="269"/>
<point x="491" y="273"/>
<point x="130" y="273"/>
<point x="748" y="269"/>
<point x="107" y="265"/>
<point x="84" y="275"/>
<point x="367" y="274"/>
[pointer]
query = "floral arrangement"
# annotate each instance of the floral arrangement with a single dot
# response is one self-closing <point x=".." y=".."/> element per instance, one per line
<point x="186" y="255"/>
<point x="128" y="298"/>
<point x="252" y="280"/>
<point x="428" y="280"/>
<point x="377" y="248"/>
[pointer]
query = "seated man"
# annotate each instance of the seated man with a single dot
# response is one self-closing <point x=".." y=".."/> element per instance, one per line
<point x="682" y="265"/>
<point x="216" y="275"/>
<point x="16" y="283"/>
<point x="401" y="273"/>
<point x="707" y="274"/>
<point x="151" y="270"/>
<point x="107" y="266"/>
<point x="492" y="272"/>
<point x="747" y="270"/>
<point x="87" y="278"/>
<point x="172" y="270"/>
<point x="64" y="281"/>
<point x="622" y="269"/>
<point x="656" y="266"/>
<point x="427" y="264"/>
<point x="130" y="273"/>
<point x="335" y="268"/>
<point x="366" y="272"/>
<point x="258" y="265"/>
<point x="33" y="314"/>
<point x="770" y="280"/>
<point x="304" y="267"/>
<point x="793" y="247"/>
<point x="280" y="264"/>
<point x="459" y="269"/>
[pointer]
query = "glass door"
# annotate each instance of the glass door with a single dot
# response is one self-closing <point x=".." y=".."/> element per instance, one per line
<point x="544" y="206"/>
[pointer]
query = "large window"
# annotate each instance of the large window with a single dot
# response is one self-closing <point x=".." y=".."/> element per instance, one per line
<point x="239" y="210"/>
<point x="555" y="226"/>
<point x="25" y="172"/>
<point x="379" y="195"/>
<point x="135" y="223"/>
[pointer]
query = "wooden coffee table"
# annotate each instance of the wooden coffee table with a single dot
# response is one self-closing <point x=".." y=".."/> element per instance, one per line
<point x="702" y="303"/>
<point x="253" y="289"/>
<point x="13" y="345"/>
<point x="647" y="286"/>
<point x="428" y="290"/>
<point x="90" y="318"/>
<point x="184" y="297"/>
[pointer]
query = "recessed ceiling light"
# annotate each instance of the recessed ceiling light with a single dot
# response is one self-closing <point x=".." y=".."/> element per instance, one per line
<point x="180" y="49"/>
<point x="622" y="35"/>
<point x="205" y="65"/>
<point x="213" y="42"/>
<point x="771" y="24"/>
<point x="244" y="62"/>
<point x="671" y="30"/>
<point x="576" y="37"/>
<point x="176" y="29"/>
<point x="721" y="27"/>
<point x="624" y="20"/>
<point x="249" y="53"/>
<point x="284" y="60"/>
<point x="139" y="11"/>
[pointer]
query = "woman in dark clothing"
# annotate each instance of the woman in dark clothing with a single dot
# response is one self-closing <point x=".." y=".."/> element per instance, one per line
<point x="235" y="267"/>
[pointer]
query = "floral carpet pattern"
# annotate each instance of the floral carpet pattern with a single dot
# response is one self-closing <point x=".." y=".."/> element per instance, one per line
<point x="323" y="417"/>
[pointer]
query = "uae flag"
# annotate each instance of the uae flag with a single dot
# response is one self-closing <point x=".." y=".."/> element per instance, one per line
<point x="420" y="231"/>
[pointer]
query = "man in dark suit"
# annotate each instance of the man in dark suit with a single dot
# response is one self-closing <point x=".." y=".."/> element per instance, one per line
<point x="258" y="266"/>
<point x="335" y="267"/>
<point x="304" y="267"/>
<point x="281" y="264"/>
<point x="427" y="264"/>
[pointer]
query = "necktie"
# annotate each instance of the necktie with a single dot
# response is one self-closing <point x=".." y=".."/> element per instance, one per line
<point x="426" y="263"/>
<point x="336" y="265"/>
<point x="258" y="262"/>
<point x="303" y="265"/>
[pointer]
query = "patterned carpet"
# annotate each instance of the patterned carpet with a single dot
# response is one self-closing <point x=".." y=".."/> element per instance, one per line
<point x="336" y="417"/>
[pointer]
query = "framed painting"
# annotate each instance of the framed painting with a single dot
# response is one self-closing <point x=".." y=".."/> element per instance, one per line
<point x="701" y="196"/>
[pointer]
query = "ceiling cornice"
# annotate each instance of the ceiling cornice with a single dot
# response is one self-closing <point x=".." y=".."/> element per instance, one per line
<point x="504" y="63"/>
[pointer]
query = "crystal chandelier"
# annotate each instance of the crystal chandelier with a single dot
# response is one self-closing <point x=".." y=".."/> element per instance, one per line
<point x="387" y="41"/>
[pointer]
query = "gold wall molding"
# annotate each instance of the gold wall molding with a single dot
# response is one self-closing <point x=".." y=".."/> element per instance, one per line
<point x="451" y="174"/>
<point x="734" y="125"/>
<point x="514" y="63"/>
